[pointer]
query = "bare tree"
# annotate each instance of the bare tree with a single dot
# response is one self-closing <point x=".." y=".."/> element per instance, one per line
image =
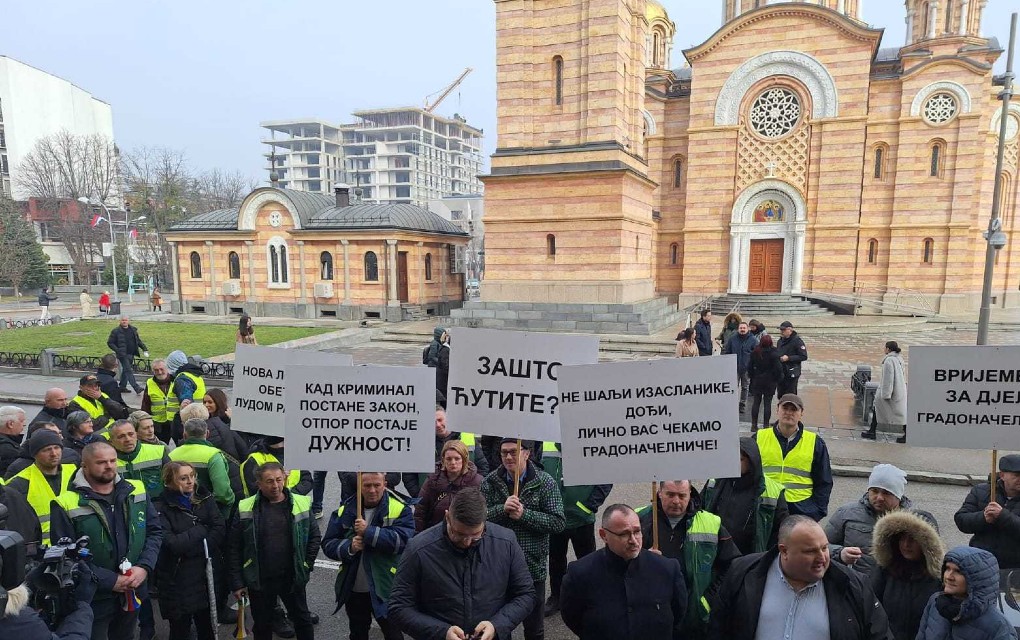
<point x="218" y="189"/>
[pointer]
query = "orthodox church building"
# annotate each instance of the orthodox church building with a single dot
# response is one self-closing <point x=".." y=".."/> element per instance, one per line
<point x="787" y="153"/>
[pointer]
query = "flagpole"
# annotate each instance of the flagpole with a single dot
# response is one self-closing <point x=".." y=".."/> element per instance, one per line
<point x="113" y="244"/>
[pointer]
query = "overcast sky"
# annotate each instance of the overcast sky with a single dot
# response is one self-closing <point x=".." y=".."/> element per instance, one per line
<point x="200" y="76"/>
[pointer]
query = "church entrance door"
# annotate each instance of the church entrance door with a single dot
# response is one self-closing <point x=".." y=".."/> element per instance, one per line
<point x="766" y="272"/>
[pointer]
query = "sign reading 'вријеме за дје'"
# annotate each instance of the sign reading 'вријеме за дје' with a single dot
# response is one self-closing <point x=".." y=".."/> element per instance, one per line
<point x="361" y="418"/>
<point x="667" y="419"/>
<point x="260" y="384"/>
<point x="964" y="397"/>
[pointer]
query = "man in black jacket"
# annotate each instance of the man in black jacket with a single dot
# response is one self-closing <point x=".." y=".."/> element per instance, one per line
<point x="54" y="408"/>
<point x="703" y="333"/>
<point x="12" y="426"/>
<point x="462" y="557"/>
<point x="21" y="517"/>
<point x="792" y="352"/>
<point x="995" y="525"/>
<point x="107" y="374"/>
<point x="794" y="591"/>
<point x="126" y="343"/>
<point x="622" y="591"/>
<point x="741" y="344"/>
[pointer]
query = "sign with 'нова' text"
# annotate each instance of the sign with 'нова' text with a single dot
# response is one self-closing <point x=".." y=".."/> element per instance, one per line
<point x="361" y="418"/>
<point x="964" y="397"/>
<point x="667" y="419"/>
<point x="259" y="384"/>
<point x="503" y="383"/>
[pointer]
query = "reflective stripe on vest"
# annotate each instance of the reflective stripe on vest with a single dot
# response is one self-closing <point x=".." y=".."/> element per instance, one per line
<point x="40" y="494"/>
<point x="92" y="407"/>
<point x="164" y="407"/>
<point x="792" y="472"/>
<point x="293" y="476"/>
<point x="699" y="553"/>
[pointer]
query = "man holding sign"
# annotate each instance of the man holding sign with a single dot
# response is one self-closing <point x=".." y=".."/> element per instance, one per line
<point x="527" y="501"/>
<point x="995" y="522"/>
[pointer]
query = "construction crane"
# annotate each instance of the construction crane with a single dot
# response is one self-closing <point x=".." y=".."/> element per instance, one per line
<point x="431" y="106"/>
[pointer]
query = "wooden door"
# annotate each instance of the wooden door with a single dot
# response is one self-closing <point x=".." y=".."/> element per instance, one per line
<point x="402" y="276"/>
<point x="766" y="267"/>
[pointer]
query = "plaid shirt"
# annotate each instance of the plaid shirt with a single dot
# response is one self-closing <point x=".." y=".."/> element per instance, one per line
<point x="543" y="512"/>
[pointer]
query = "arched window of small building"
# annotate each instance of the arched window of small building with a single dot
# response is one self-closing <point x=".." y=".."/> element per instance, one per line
<point x="234" y="265"/>
<point x="428" y="266"/>
<point x="550" y="245"/>
<point x="278" y="270"/>
<point x="196" y="265"/>
<point x="929" y="251"/>
<point x="326" y="265"/>
<point x="371" y="267"/>
<point x="880" y="158"/>
<point x="558" y="79"/>
<point x="949" y="16"/>
<point x="674" y="254"/>
<point x="938" y="159"/>
<point x="678" y="172"/>
<point x="872" y="251"/>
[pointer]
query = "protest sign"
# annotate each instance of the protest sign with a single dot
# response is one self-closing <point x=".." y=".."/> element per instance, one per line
<point x="259" y="384"/>
<point x="361" y="418"/>
<point x="667" y="419"/>
<point x="503" y="383"/>
<point x="964" y="397"/>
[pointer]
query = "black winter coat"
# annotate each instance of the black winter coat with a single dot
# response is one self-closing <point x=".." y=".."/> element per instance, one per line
<point x="999" y="538"/>
<point x="126" y="342"/>
<point x="741" y="346"/>
<point x="223" y="438"/>
<point x="765" y="371"/>
<point x="108" y="384"/>
<point x="433" y="578"/>
<point x="21" y="516"/>
<point x="27" y="625"/>
<point x="10" y="450"/>
<point x="603" y="596"/>
<point x="180" y="570"/>
<point x="56" y="416"/>
<point x="703" y="337"/>
<point x="854" y="611"/>
<point x="795" y="349"/>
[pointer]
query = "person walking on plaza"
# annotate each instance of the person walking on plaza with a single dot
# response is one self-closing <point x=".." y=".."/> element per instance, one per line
<point x="751" y="507"/>
<point x="850" y="528"/>
<point x="160" y="401"/>
<point x="77" y="431"/>
<point x="209" y="463"/>
<point x="125" y="342"/>
<point x="106" y="372"/>
<point x="156" y="299"/>
<point x="792" y="352"/>
<point x="793" y="591"/>
<point x="686" y="345"/>
<point x="12" y="425"/>
<point x="968" y="607"/>
<point x="189" y="517"/>
<point x="125" y="537"/>
<point x="137" y="460"/>
<point x="765" y="373"/>
<point x="908" y="569"/>
<point x="535" y="513"/>
<point x="44" y="303"/>
<point x="104" y="303"/>
<point x="45" y="479"/>
<point x="456" y="473"/>
<point x="85" y="300"/>
<point x="437" y="356"/>
<point x="100" y="406"/>
<point x="703" y="333"/>
<point x="463" y="578"/>
<point x="368" y="546"/>
<point x="271" y="551"/>
<point x="245" y="331"/>
<point x="622" y="591"/>
<point x="891" y="398"/>
<point x="995" y="525"/>
<point x="580" y="504"/>
<point x="54" y="408"/>
<point x="67" y="455"/>
<point x="741" y="344"/>
<point x="797" y="459"/>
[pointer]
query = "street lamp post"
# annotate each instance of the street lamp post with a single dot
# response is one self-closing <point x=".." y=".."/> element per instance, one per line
<point x="130" y="271"/>
<point x="113" y="243"/>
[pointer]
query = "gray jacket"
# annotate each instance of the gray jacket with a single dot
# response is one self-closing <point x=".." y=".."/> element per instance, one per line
<point x="853" y="524"/>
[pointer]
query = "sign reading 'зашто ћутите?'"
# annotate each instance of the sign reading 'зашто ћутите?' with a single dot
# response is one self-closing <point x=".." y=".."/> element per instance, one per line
<point x="260" y="384"/>
<point x="361" y="418"/>
<point x="666" y="419"/>
<point x="503" y="383"/>
<point x="964" y="397"/>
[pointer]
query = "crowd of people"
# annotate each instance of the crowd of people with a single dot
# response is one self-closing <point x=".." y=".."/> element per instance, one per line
<point x="480" y="546"/>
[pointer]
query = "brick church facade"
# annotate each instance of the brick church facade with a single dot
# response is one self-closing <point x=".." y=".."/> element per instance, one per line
<point x="789" y="153"/>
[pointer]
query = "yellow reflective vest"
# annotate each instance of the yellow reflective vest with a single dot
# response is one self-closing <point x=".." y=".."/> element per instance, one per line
<point x="258" y="459"/>
<point x="164" y="405"/>
<point x="793" y="472"/>
<point x="40" y="494"/>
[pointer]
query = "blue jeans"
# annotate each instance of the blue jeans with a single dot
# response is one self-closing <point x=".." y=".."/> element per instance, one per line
<point x="127" y="375"/>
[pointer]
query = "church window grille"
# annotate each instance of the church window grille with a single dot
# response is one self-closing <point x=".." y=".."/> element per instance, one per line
<point x="674" y="254"/>
<point x="234" y="265"/>
<point x="775" y="112"/>
<point x="678" y="173"/>
<point x="937" y="153"/>
<point x="326" y="265"/>
<point x="550" y="245"/>
<point x="879" y="163"/>
<point x="872" y="251"/>
<point x="558" y="79"/>
<point x="929" y="250"/>
<point x="371" y="267"/>
<point x="940" y="108"/>
<point x="196" y="265"/>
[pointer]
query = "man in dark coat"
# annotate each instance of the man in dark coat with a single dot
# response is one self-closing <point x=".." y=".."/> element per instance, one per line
<point x="703" y="333"/>
<point x="21" y="517"/>
<point x="793" y="590"/>
<point x="126" y="343"/>
<point x="67" y="456"/>
<point x="107" y="374"/>
<point x="462" y="557"/>
<point x="741" y="344"/>
<point x="792" y="352"/>
<point x="12" y="426"/>
<point x="622" y="591"/>
<point x="995" y="525"/>
<point x="54" y="408"/>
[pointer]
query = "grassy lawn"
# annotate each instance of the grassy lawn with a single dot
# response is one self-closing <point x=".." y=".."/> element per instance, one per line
<point x="88" y="338"/>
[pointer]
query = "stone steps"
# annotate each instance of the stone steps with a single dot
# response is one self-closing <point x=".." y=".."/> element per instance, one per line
<point x="640" y="318"/>
<point x="773" y="305"/>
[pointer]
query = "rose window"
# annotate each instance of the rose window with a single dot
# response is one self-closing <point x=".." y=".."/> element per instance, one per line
<point x="940" y="108"/>
<point x="775" y="113"/>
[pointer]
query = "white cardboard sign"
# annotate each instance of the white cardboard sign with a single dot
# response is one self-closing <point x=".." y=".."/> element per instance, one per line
<point x="361" y="418"/>
<point x="259" y="384"/>
<point x="652" y="420"/>
<point x="964" y="397"/>
<point x="503" y="383"/>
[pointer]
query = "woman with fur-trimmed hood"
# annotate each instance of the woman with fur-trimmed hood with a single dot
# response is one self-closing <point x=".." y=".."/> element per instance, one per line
<point x="908" y="553"/>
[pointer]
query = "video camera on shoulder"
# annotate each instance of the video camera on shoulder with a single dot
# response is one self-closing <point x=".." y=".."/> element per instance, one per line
<point x="53" y="586"/>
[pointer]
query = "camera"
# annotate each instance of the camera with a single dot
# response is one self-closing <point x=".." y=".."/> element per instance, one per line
<point x="53" y="586"/>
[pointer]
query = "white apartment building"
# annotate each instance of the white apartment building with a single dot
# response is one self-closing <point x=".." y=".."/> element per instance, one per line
<point x="390" y="156"/>
<point x="35" y="104"/>
<point x="467" y="212"/>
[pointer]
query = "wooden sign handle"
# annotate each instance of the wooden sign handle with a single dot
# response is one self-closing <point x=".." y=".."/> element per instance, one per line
<point x="358" y="515"/>
<point x="517" y="470"/>
<point x="995" y="471"/>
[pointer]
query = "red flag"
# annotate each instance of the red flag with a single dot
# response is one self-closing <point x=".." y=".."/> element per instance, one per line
<point x="96" y="219"/>
<point x="133" y="233"/>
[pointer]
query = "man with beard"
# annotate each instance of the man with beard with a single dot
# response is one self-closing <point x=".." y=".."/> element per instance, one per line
<point x="159" y="400"/>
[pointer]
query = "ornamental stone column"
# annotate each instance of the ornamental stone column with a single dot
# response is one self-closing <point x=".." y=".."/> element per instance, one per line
<point x="303" y="298"/>
<point x="212" y="270"/>
<point x="251" y="269"/>
<point x="175" y="261"/>
<point x="391" y="267"/>
<point x="347" y="271"/>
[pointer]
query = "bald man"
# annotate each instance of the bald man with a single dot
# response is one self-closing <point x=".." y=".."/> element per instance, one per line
<point x="54" y="408"/>
<point x="794" y="591"/>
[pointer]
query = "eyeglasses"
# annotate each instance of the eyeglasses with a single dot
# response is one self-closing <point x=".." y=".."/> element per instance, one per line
<point x="469" y="538"/>
<point x="630" y="533"/>
<point x="508" y="454"/>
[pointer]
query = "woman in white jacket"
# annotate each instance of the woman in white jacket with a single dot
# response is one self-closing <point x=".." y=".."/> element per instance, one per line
<point x="891" y="398"/>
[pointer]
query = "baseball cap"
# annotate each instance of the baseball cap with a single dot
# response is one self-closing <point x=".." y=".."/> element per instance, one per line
<point x="786" y="324"/>
<point x="88" y="379"/>
<point x="792" y="399"/>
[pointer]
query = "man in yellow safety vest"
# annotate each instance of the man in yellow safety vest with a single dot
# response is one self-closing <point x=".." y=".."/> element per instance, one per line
<point x="45" y="479"/>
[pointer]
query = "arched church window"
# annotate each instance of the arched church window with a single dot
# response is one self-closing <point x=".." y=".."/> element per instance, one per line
<point x="371" y="267"/>
<point x="674" y="254"/>
<point x="656" y="39"/>
<point x="937" y="159"/>
<point x="872" y="251"/>
<point x="879" y="162"/>
<point x="196" y="265"/>
<point x="769" y="211"/>
<point x="929" y="250"/>
<point x="949" y="16"/>
<point x="234" y="265"/>
<point x="550" y="245"/>
<point x="678" y="173"/>
<point x="558" y="79"/>
<point x="940" y="108"/>
<point x="775" y="112"/>
<point x="278" y="271"/>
